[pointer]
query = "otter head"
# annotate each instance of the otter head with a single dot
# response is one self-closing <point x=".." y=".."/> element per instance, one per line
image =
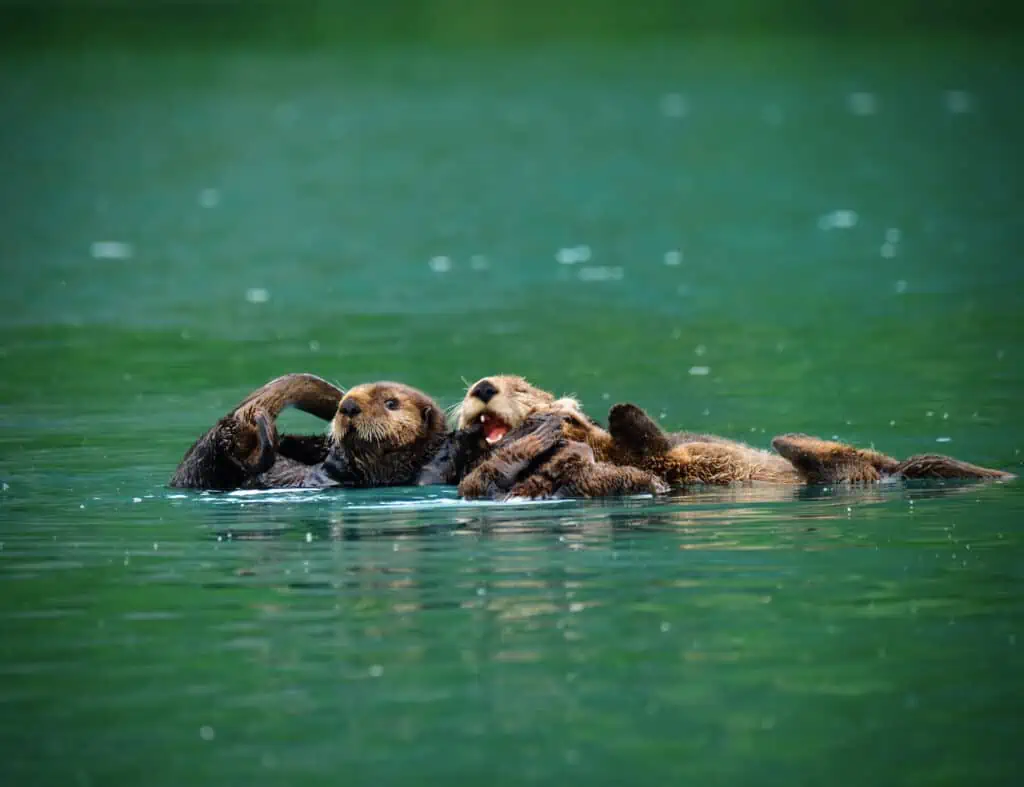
<point x="386" y="415"/>
<point x="502" y="403"/>
<point x="382" y="435"/>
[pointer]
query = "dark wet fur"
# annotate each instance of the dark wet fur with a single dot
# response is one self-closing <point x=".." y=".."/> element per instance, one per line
<point x="829" y="462"/>
<point x="537" y="461"/>
<point x="460" y="452"/>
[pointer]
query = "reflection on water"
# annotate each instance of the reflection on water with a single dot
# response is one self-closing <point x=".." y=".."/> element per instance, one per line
<point x="389" y="630"/>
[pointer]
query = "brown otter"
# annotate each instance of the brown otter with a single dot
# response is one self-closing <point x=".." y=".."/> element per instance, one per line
<point x="381" y="434"/>
<point x="501" y="403"/>
<point x="240" y="447"/>
<point x="536" y="460"/>
<point x="687" y="458"/>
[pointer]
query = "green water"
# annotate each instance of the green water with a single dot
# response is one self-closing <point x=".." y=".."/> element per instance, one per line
<point x="397" y="211"/>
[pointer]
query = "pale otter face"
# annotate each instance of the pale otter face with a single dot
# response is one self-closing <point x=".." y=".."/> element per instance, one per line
<point x="387" y="414"/>
<point x="502" y="402"/>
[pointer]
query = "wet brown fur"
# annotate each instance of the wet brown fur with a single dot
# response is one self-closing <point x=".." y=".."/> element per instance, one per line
<point x="687" y="458"/>
<point x="381" y="446"/>
<point x="239" y="448"/>
<point x="543" y="463"/>
<point x="634" y="439"/>
<point x="827" y="462"/>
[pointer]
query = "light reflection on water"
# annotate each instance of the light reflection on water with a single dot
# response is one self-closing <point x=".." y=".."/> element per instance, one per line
<point x="352" y="625"/>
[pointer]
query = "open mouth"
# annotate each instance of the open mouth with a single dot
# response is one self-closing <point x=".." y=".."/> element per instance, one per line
<point x="494" y="428"/>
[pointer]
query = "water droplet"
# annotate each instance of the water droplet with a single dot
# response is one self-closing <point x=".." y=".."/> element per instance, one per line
<point x="665" y="627"/>
<point x="600" y="273"/>
<point x="207" y="733"/>
<point x="111" y="250"/>
<point x="958" y="102"/>
<point x="309" y="538"/>
<point x="571" y="255"/>
<point x="479" y="262"/>
<point x="888" y="250"/>
<point x="376" y="670"/>
<point x="893" y="235"/>
<point x="440" y="264"/>
<point x="700" y="349"/>
<point x="862" y="103"/>
<point x="838" y="220"/>
<point x="257" y="295"/>
<point x="136" y="499"/>
<point x="901" y="286"/>
<point x="700" y="371"/>
<point x="674" y="105"/>
<point x="943" y="439"/>
<point x="576" y="606"/>
<point x="209" y="198"/>
<point x="674" y="257"/>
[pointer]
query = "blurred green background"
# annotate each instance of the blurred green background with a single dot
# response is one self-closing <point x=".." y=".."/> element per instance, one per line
<point x="749" y="218"/>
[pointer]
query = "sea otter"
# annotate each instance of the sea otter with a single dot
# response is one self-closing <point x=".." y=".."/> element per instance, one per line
<point x="540" y="446"/>
<point x="687" y="458"/>
<point x="243" y="445"/>
<point x="537" y="460"/>
<point x="382" y="434"/>
<point x="500" y="403"/>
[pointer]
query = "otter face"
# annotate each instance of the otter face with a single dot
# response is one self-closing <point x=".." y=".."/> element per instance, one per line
<point x="386" y="414"/>
<point x="501" y="403"/>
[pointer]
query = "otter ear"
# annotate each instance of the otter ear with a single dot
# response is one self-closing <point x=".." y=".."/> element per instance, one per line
<point x="433" y="419"/>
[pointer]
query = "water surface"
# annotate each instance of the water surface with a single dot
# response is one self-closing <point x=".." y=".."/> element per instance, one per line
<point x="747" y="237"/>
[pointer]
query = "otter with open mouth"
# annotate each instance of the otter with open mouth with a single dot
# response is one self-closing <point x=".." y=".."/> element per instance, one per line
<point x="537" y="460"/>
<point x="501" y="403"/>
<point x="537" y="445"/>
<point x="633" y="439"/>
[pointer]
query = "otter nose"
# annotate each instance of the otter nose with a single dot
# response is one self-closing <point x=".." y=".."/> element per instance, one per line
<point x="350" y="408"/>
<point x="484" y="391"/>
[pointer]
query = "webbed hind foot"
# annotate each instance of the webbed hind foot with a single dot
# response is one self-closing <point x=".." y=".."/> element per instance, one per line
<point x="636" y="432"/>
<point x="939" y="466"/>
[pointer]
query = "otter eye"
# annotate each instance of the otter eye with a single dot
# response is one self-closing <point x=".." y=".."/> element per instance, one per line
<point x="391" y="404"/>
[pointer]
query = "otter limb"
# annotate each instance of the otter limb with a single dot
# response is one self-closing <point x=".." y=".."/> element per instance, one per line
<point x="828" y="462"/>
<point x="460" y="452"/>
<point x="241" y="445"/>
<point x="684" y="458"/>
<point x="538" y="461"/>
